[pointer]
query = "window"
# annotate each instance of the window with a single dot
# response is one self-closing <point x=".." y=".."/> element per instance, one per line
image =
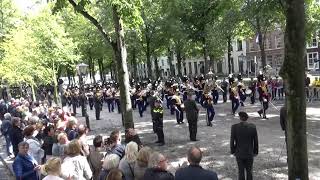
<point x="184" y="69"/>
<point x="251" y="46"/>
<point x="269" y="61"/>
<point x="219" y="66"/>
<point x="278" y="60"/>
<point x="232" y="64"/>
<point x="202" y="67"/>
<point x="240" y="65"/>
<point x="239" y="44"/>
<point x="278" y="41"/>
<point x="313" y="43"/>
<point x="162" y="62"/>
<point x="268" y="43"/>
<point x="312" y="57"/>
<point x="190" y="68"/>
<point x="195" y="67"/>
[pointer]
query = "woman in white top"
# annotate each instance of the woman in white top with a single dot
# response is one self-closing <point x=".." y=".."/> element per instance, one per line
<point x="53" y="169"/>
<point x="75" y="166"/>
<point x="127" y="163"/>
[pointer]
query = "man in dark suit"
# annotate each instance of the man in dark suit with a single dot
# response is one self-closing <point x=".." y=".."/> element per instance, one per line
<point x="244" y="145"/>
<point x="192" y="111"/>
<point x="194" y="171"/>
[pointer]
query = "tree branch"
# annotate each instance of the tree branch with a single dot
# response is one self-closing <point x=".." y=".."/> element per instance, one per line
<point x="94" y="21"/>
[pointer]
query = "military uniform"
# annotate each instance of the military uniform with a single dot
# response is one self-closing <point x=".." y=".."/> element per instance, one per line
<point x="97" y="105"/>
<point x="74" y="102"/>
<point x="192" y="112"/>
<point x="158" y="120"/>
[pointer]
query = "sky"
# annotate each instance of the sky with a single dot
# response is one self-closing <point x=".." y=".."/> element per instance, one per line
<point x="28" y="6"/>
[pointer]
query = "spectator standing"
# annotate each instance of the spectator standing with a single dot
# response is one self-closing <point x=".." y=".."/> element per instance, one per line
<point x="111" y="161"/>
<point x="127" y="163"/>
<point x="35" y="149"/>
<point x="6" y="127"/>
<point x="82" y="136"/>
<point x="48" y="140"/>
<point x="59" y="146"/>
<point x="16" y="135"/>
<point x="95" y="157"/>
<point x="115" y="174"/>
<point x="53" y="169"/>
<point x="25" y="167"/>
<point x="244" y="145"/>
<point x="114" y="144"/>
<point x="75" y="165"/>
<point x="194" y="171"/>
<point x="157" y="168"/>
<point x="141" y="163"/>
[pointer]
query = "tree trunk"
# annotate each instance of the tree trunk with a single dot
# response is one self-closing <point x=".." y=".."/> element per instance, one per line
<point x="33" y="93"/>
<point x="123" y="74"/>
<point x="179" y="59"/>
<point x="90" y="67"/>
<point x="134" y="64"/>
<point x="229" y="55"/>
<point x="211" y="62"/>
<point x="69" y="76"/>
<point x="156" y="65"/>
<point x="293" y="72"/>
<point x="55" y="84"/>
<point x="261" y="45"/>
<point x="100" y="64"/>
<point x="93" y="73"/>
<point x="170" y="59"/>
<point x="205" y="55"/>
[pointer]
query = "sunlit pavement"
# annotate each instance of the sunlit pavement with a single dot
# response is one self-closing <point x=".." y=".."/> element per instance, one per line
<point x="214" y="141"/>
<point x="269" y="164"/>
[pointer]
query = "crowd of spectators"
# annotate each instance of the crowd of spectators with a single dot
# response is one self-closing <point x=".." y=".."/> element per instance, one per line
<point x="49" y="143"/>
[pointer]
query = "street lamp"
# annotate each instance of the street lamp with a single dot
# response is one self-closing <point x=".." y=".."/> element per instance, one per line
<point x="82" y="70"/>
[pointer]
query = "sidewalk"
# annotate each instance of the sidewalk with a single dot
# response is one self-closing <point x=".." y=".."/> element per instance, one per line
<point x="6" y="172"/>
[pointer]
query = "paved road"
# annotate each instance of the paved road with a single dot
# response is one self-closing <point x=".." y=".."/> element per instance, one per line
<point x="214" y="141"/>
<point x="269" y="164"/>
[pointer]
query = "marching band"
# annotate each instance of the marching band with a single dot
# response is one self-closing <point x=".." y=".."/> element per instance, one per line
<point x="206" y="90"/>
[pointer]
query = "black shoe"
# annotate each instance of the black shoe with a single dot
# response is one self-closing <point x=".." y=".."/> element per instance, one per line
<point x="265" y="117"/>
<point x="161" y="144"/>
<point x="259" y="113"/>
<point x="210" y="124"/>
<point x="181" y="122"/>
<point x="157" y="141"/>
<point x="194" y="140"/>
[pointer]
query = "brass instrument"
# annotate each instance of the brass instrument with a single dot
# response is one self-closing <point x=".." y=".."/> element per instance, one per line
<point x="234" y="90"/>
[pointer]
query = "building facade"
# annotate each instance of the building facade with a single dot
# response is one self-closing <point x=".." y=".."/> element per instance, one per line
<point x="245" y="58"/>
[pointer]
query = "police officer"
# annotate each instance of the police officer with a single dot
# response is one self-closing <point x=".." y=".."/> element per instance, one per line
<point x="192" y="112"/>
<point x="158" y="120"/>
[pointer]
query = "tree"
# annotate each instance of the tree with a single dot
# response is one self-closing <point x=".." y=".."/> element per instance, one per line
<point x="195" y="17"/>
<point x="38" y="47"/>
<point x="123" y="12"/>
<point x="293" y="72"/>
<point x="262" y="16"/>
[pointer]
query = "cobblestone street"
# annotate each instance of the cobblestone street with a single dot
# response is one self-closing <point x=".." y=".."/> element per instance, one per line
<point x="269" y="164"/>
